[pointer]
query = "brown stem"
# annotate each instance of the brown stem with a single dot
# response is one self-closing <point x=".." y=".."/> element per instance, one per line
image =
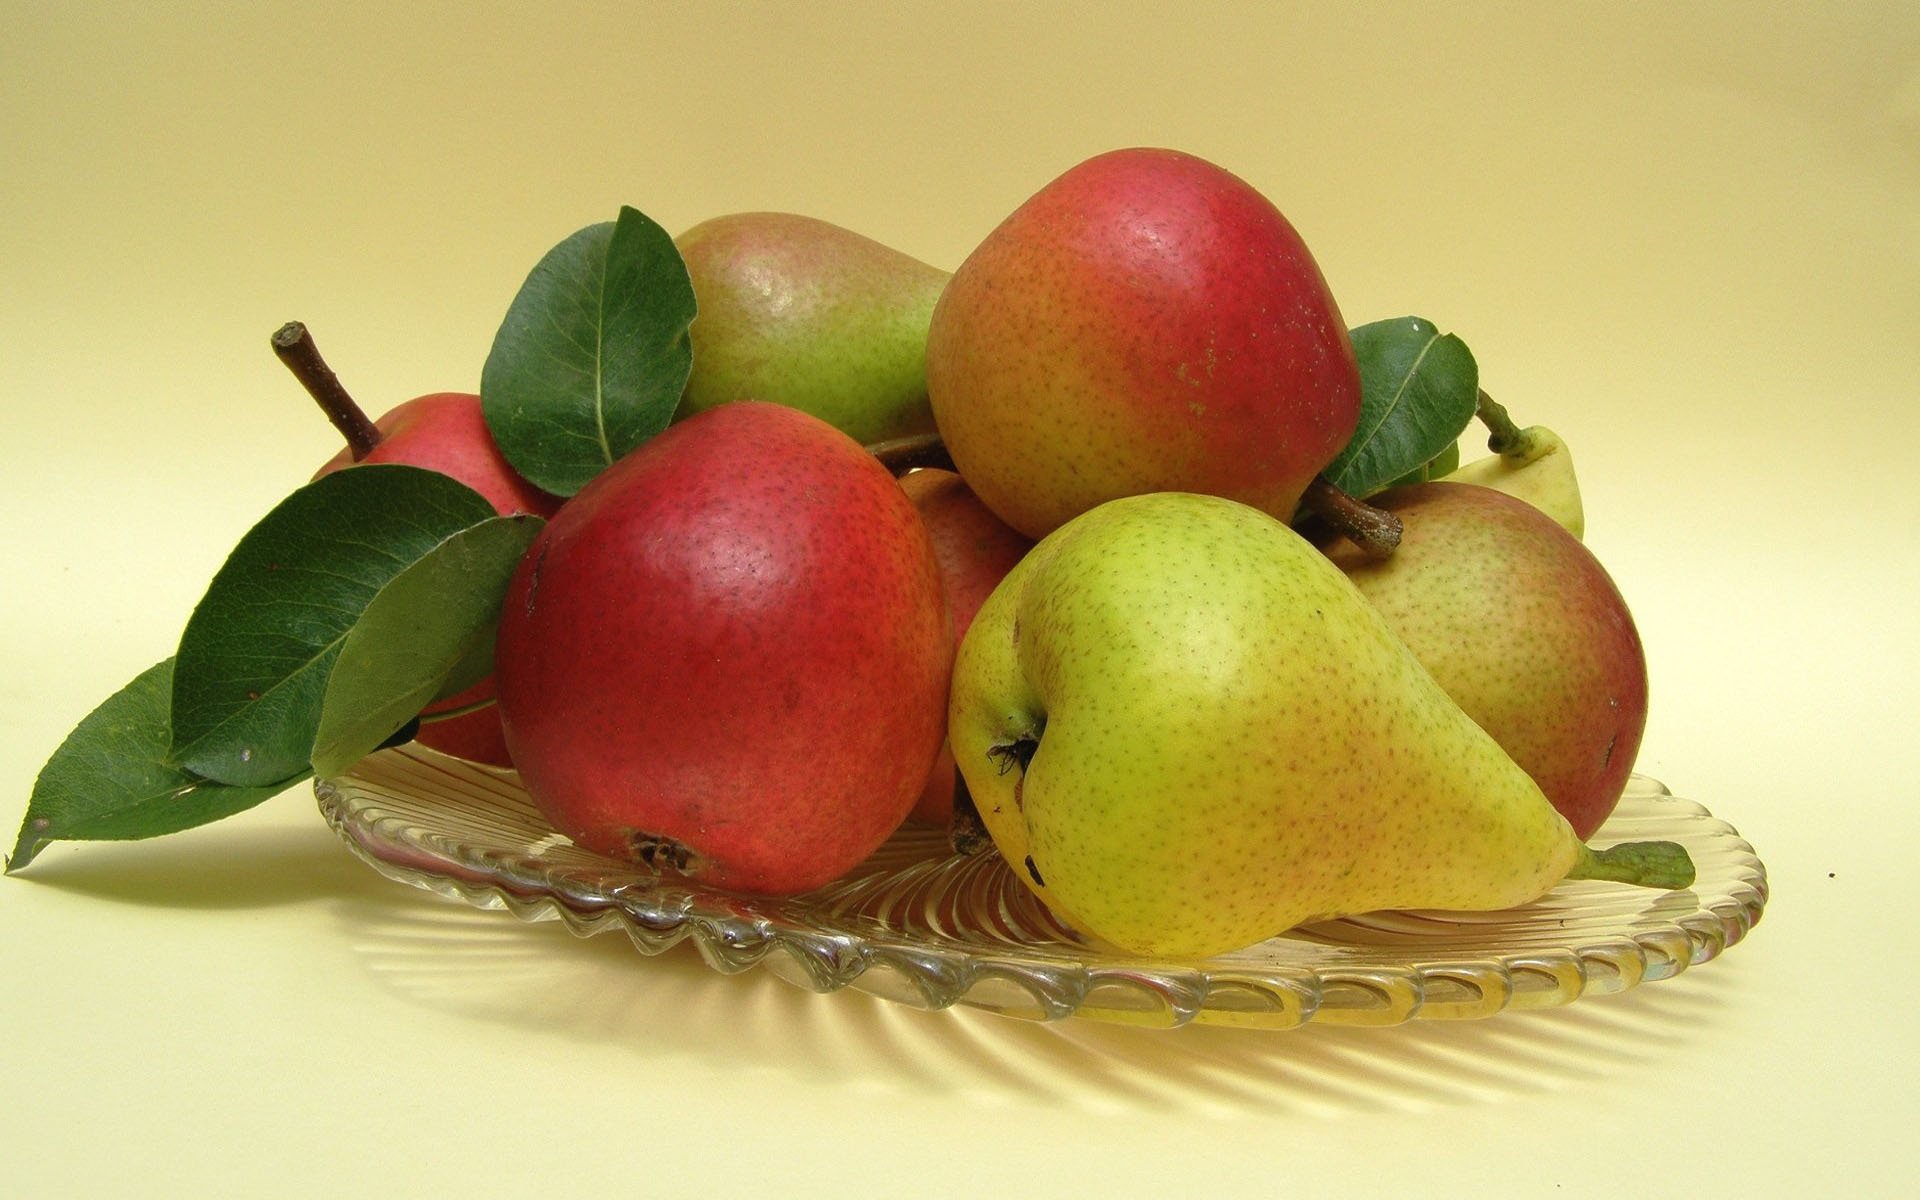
<point x="966" y="832"/>
<point x="1503" y="436"/>
<point x="1375" y="530"/>
<point x="901" y="455"/>
<point x="294" y="345"/>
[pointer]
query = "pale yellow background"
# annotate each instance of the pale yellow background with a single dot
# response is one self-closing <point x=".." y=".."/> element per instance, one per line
<point x="1687" y="237"/>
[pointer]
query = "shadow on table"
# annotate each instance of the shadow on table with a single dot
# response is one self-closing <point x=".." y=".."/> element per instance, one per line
<point x="539" y="979"/>
<point x="212" y="869"/>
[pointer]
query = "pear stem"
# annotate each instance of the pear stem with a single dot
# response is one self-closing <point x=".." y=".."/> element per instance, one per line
<point x="966" y="832"/>
<point x="1375" y="530"/>
<point x="1503" y="436"/>
<point x="295" y="348"/>
<point x="901" y="455"/>
<point x="1649" y="864"/>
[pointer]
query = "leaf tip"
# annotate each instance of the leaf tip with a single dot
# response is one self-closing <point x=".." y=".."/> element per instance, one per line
<point x="31" y="842"/>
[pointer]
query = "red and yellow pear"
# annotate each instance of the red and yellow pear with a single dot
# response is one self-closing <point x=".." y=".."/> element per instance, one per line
<point x="1520" y="624"/>
<point x="1147" y="322"/>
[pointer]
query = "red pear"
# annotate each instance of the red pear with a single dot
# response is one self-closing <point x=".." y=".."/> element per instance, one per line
<point x="729" y="654"/>
<point x="1520" y="624"/>
<point x="1147" y="322"/>
<point x="976" y="549"/>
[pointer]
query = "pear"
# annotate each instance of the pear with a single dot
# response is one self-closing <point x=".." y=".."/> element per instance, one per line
<point x="1188" y="732"/>
<point x="728" y="654"/>
<point x="1146" y="322"/>
<point x="800" y="312"/>
<point x="1522" y="626"/>
<point x="1536" y="468"/>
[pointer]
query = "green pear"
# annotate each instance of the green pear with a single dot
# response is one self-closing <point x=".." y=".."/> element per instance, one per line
<point x="1523" y="627"/>
<point x="1187" y="732"/>
<point x="1538" y="469"/>
<point x="800" y="312"/>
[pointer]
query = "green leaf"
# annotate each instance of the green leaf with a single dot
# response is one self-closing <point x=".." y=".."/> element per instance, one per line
<point x="111" y="781"/>
<point x="1417" y="393"/>
<point x="432" y="620"/>
<point x="477" y="665"/>
<point x="593" y="354"/>
<point x="251" y="675"/>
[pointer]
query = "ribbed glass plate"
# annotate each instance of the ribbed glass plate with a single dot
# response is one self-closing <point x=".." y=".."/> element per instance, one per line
<point x="918" y="925"/>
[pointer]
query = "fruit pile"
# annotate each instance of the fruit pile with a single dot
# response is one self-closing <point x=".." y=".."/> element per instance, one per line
<point x="1116" y="551"/>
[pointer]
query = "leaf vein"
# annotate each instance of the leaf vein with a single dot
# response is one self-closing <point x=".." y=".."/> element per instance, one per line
<point x="1399" y="394"/>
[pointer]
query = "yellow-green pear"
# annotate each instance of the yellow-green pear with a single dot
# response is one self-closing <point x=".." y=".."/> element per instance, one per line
<point x="1187" y="732"/>
<point x="801" y="312"/>
<point x="1537" y="468"/>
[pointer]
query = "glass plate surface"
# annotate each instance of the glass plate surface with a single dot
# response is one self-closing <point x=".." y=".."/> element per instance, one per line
<point x="919" y="925"/>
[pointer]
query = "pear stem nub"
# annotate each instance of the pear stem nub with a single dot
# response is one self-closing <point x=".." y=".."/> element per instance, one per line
<point x="295" y="348"/>
<point x="1648" y="864"/>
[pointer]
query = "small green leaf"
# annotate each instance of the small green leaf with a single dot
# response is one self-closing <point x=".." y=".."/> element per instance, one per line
<point x="111" y="781"/>
<point x="253" y="667"/>
<point x="1418" y="388"/>
<point x="430" y="621"/>
<point x="593" y="354"/>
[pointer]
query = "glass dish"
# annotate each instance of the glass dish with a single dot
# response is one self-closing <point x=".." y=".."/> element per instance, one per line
<point x="919" y="925"/>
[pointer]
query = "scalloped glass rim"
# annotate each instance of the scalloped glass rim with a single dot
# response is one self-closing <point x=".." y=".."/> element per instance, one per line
<point x="921" y="926"/>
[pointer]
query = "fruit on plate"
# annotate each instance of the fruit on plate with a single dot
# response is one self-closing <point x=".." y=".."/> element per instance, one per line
<point x="1146" y="322"/>
<point x="800" y="312"/>
<point x="728" y="654"/>
<point x="1537" y="468"/>
<point x="976" y="549"/>
<point x="1520" y="624"/>
<point x="1187" y="732"/>
<point x="443" y="432"/>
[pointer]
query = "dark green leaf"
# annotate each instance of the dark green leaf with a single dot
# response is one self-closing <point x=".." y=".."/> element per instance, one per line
<point x="111" y="781"/>
<point x="251" y="674"/>
<point x="593" y="354"/>
<point x="1417" y="393"/>
<point x="421" y="628"/>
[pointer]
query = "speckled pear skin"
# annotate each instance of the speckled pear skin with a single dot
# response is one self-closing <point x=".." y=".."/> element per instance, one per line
<point x="1524" y="628"/>
<point x="1230" y="740"/>
<point x="801" y="312"/>
<point x="1146" y="322"/>
<point x="734" y="640"/>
